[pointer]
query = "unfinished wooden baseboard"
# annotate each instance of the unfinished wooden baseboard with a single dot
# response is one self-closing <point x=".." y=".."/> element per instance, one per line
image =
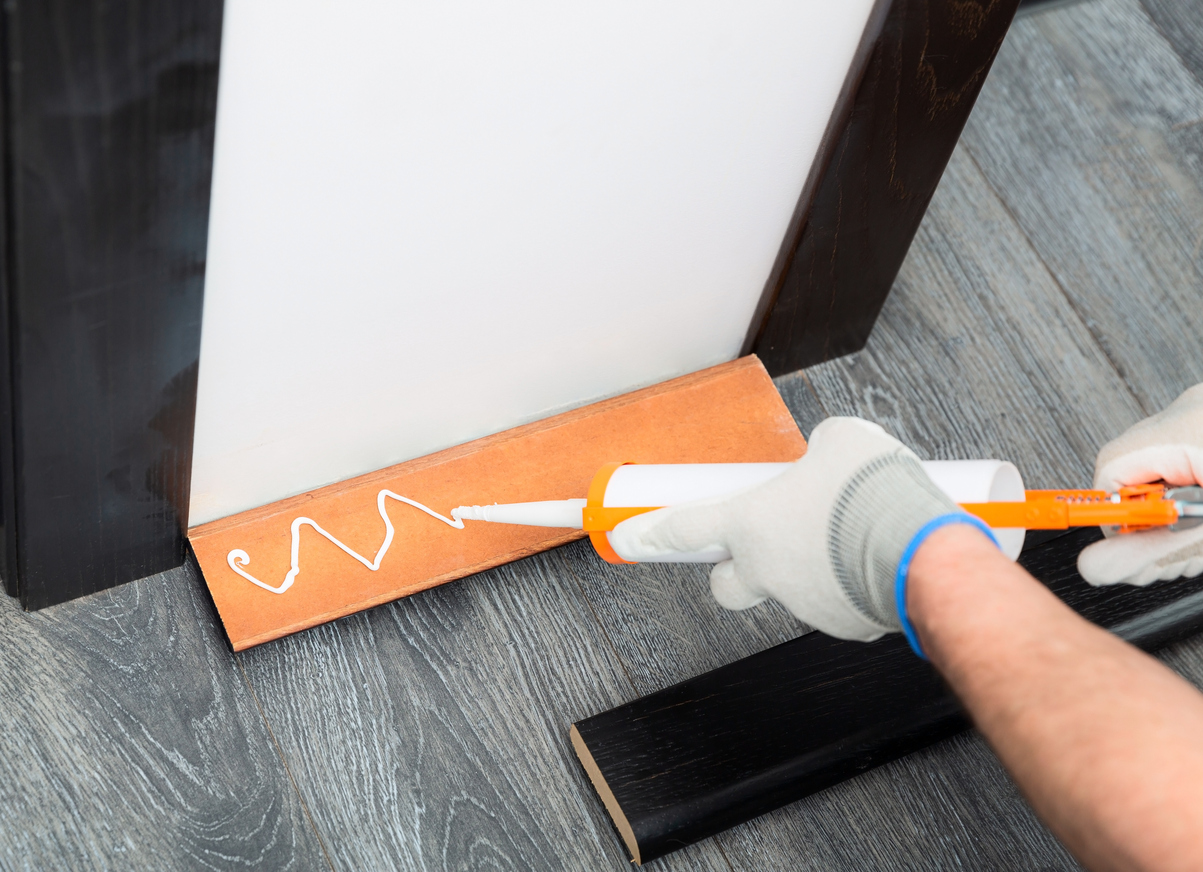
<point x="730" y="413"/>
<point x="692" y="760"/>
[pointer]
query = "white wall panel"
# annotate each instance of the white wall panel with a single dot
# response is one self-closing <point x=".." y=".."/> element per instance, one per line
<point x="434" y="221"/>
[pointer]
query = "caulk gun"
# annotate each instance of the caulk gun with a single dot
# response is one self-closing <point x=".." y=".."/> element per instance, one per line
<point x="990" y="489"/>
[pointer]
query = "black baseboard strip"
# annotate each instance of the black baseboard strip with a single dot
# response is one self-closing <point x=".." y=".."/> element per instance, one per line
<point x="682" y="764"/>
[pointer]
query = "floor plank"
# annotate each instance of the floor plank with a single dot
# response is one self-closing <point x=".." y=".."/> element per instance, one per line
<point x="1181" y="24"/>
<point x="801" y="400"/>
<point x="951" y="806"/>
<point x="978" y="354"/>
<point x="432" y="733"/>
<point x="1080" y="130"/>
<point x="131" y="740"/>
<point x="664" y="623"/>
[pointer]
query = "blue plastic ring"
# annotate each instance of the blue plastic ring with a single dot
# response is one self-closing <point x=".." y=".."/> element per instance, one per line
<point x="904" y="567"/>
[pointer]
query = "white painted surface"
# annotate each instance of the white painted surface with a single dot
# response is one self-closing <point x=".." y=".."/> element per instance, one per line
<point x="435" y="221"/>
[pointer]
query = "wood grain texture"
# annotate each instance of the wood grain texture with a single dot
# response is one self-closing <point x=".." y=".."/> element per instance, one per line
<point x="109" y="114"/>
<point x="801" y="400"/>
<point x="1160" y="113"/>
<point x="978" y="353"/>
<point x="878" y="169"/>
<point x="666" y="626"/>
<point x="971" y="265"/>
<point x="131" y="741"/>
<point x="691" y="760"/>
<point x="1110" y="204"/>
<point x="431" y="733"/>
<point x="109" y="134"/>
<point x="1181" y="24"/>
<point x="950" y="806"/>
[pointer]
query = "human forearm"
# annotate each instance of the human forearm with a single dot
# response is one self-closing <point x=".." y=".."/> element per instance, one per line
<point x="1105" y="741"/>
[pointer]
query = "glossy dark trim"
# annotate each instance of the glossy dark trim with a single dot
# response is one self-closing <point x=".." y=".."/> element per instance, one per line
<point x="108" y="146"/>
<point x="909" y="94"/>
<point x="8" y="503"/>
<point x="722" y="748"/>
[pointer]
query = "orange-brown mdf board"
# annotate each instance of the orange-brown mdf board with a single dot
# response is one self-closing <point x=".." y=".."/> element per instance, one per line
<point x="730" y="413"/>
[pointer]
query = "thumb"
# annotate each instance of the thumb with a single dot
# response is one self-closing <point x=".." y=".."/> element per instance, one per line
<point x="730" y="591"/>
<point x="690" y="527"/>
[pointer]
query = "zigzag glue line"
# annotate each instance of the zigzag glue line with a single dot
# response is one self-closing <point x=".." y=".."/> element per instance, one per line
<point x="239" y="558"/>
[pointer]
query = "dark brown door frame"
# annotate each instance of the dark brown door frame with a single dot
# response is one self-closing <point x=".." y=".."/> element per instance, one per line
<point x="108" y="120"/>
<point x="908" y="95"/>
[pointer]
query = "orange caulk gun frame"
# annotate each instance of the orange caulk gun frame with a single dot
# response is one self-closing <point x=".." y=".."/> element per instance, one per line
<point x="597" y="520"/>
<point x="1132" y="509"/>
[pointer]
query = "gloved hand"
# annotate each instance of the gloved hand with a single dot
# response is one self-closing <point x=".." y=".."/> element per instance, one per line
<point x="1169" y="447"/>
<point x="824" y="539"/>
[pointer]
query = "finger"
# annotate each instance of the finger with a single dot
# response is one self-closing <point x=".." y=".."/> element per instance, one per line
<point x="688" y="528"/>
<point x="1186" y="559"/>
<point x="1176" y="464"/>
<point x="729" y="591"/>
<point x="1142" y="558"/>
<point x="839" y="429"/>
<point x="1193" y="567"/>
<point x="1180" y="569"/>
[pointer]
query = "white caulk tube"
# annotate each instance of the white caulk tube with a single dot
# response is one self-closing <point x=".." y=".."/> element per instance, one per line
<point x="643" y="485"/>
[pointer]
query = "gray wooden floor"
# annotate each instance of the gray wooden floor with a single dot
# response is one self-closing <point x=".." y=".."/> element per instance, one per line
<point x="1053" y="297"/>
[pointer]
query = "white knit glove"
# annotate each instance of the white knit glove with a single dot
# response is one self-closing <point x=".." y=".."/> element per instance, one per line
<point x="1166" y="447"/>
<point x="824" y="539"/>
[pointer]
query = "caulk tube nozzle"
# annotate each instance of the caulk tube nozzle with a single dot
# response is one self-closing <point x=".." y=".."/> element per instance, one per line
<point x="548" y="513"/>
